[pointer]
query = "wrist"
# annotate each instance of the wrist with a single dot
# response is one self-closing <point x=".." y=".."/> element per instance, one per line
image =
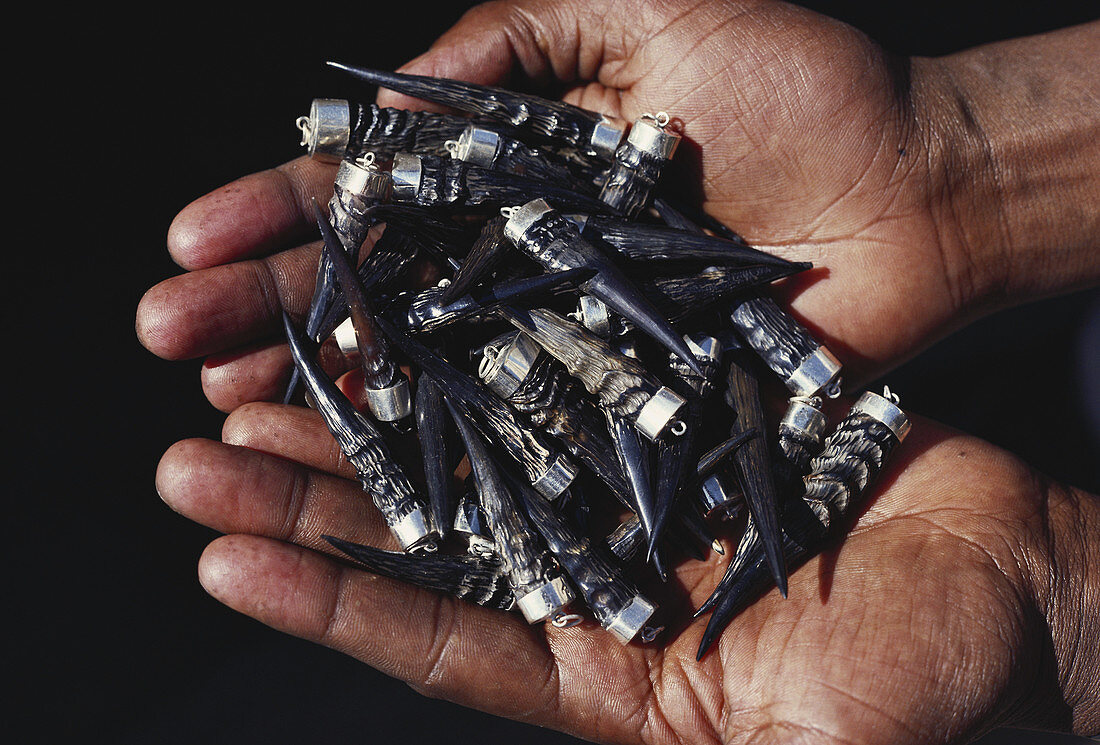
<point x="1013" y="135"/>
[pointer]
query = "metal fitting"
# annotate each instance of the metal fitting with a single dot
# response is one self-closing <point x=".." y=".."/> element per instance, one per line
<point x="522" y="218"/>
<point x="658" y="412"/>
<point x="816" y="371"/>
<point x="650" y="138"/>
<point x="719" y="497"/>
<point x="392" y="403"/>
<point x="606" y="138"/>
<point x="470" y="523"/>
<point x="415" y="533"/>
<point x="546" y="600"/>
<point x="704" y="346"/>
<point x="477" y="146"/>
<point x="593" y="315"/>
<point x="579" y="221"/>
<point x="406" y="172"/>
<point x="326" y="130"/>
<point x="505" y="373"/>
<point x="884" y="410"/>
<point x="363" y="180"/>
<point x="626" y="624"/>
<point x="345" y="338"/>
<point x="803" y="416"/>
<point x="556" y="479"/>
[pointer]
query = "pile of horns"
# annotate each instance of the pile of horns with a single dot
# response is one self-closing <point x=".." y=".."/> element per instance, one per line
<point x="594" y="351"/>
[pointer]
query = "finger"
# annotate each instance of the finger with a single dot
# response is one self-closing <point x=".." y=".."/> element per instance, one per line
<point x="253" y="216"/>
<point x="549" y="43"/>
<point x="292" y="432"/>
<point x="255" y="373"/>
<point x="238" y="490"/>
<point x="259" y="373"/>
<point x="212" y="310"/>
<point x="580" y="651"/>
<point x="439" y="645"/>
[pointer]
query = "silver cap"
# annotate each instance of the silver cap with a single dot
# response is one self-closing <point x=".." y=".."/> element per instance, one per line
<point x="627" y="346"/>
<point x="477" y="542"/>
<point x="392" y="403"/>
<point x="579" y="220"/>
<point x="345" y="338"/>
<point x="626" y="624"/>
<point x="658" y="412"/>
<point x="362" y="179"/>
<point x="504" y="372"/>
<point x="556" y="479"/>
<point x="326" y="130"/>
<point x="415" y="532"/>
<point x="804" y="416"/>
<point x="606" y="138"/>
<point x="406" y="175"/>
<point x="646" y="135"/>
<point x="522" y="218"/>
<point x="593" y="315"/>
<point x="815" y="372"/>
<point x="720" y="496"/>
<point x="476" y="146"/>
<point x="884" y="410"/>
<point x="546" y="600"/>
<point x="704" y="346"/>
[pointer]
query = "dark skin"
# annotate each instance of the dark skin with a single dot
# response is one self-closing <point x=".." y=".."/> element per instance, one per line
<point x="928" y="193"/>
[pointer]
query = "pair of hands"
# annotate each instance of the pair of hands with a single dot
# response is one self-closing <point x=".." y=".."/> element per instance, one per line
<point x="913" y="185"/>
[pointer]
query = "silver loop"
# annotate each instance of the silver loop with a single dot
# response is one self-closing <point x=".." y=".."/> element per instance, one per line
<point x="407" y="174"/>
<point x="678" y="427"/>
<point x="566" y="620"/>
<point x="661" y="118"/>
<point x="366" y="160"/>
<point x="302" y="123"/>
<point x="326" y="129"/>
<point x="833" y="391"/>
<point x="890" y="396"/>
<point x="488" y="359"/>
<point x="451" y="146"/>
<point x="415" y="532"/>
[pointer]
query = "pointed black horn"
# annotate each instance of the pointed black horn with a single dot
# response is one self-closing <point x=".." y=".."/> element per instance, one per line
<point x="554" y="120"/>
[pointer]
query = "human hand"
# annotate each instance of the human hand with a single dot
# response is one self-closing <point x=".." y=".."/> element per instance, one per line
<point x="945" y="611"/>
<point x="807" y="139"/>
<point x="786" y="184"/>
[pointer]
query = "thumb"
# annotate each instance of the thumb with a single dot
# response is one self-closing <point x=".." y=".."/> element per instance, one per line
<point x="550" y="46"/>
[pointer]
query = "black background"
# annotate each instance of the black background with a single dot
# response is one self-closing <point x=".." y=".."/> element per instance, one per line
<point x="126" y="120"/>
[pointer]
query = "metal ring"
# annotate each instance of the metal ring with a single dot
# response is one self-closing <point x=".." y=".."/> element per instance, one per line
<point x="566" y="620"/>
<point x="302" y="123"/>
